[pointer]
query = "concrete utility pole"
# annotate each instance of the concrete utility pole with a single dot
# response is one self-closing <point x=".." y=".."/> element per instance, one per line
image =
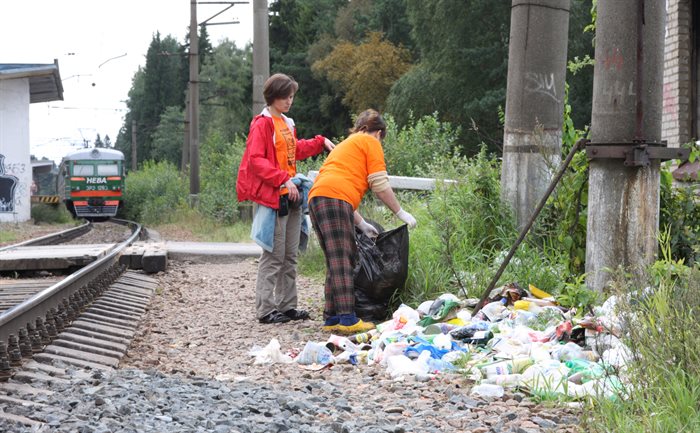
<point x="534" y="102"/>
<point x="185" y="159"/>
<point x="261" y="53"/>
<point x="623" y="196"/>
<point x="194" y="104"/>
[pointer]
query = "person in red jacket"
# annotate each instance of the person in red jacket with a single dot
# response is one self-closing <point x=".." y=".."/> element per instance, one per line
<point x="266" y="176"/>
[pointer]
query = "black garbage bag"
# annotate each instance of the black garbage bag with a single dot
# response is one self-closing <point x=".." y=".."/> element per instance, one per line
<point x="381" y="269"/>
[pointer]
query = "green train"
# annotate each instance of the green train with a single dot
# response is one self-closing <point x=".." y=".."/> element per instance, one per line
<point x="91" y="182"/>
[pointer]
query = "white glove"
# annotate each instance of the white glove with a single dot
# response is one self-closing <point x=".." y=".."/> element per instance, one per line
<point x="368" y="229"/>
<point x="407" y="218"/>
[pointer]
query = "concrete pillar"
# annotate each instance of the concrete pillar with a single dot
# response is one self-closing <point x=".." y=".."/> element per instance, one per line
<point x="534" y="102"/>
<point x="194" y="103"/>
<point x="261" y="53"/>
<point x="623" y="202"/>
<point x="16" y="170"/>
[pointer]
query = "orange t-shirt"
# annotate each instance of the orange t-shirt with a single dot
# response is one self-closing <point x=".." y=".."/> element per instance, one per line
<point x="344" y="173"/>
<point x="285" y="146"/>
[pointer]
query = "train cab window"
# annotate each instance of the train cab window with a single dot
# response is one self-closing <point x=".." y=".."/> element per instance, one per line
<point x="82" y="170"/>
<point x="108" y="170"/>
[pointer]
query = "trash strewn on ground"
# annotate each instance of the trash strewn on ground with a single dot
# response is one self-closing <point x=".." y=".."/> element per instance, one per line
<point x="520" y="339"/>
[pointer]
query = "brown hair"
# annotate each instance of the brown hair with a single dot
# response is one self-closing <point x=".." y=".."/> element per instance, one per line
<point x="279" y="86"/>
<point x="369" y="121"/>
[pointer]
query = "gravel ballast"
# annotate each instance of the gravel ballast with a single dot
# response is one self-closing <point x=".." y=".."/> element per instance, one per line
<point x="190" y="370"/>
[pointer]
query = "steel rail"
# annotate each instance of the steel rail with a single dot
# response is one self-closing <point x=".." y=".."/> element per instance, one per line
<point x="19" y="316"/>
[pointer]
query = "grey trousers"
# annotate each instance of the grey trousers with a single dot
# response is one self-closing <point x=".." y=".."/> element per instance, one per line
<point x="276" y="285"/>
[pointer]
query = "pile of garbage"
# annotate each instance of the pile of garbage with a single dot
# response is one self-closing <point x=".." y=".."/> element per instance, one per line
<point x="521" y="338"/>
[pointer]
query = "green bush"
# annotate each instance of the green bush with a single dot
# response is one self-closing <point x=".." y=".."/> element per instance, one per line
<point x="155" y="193"/>
<point x="218" y="174"/>
<point x="409" y="151"/>
<point x="50" y="214"/>
<point x="680" y="214"/>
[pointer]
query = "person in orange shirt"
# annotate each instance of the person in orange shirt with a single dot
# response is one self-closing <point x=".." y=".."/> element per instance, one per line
<point x="354" y="166"/>
<point x="267" y="176"/>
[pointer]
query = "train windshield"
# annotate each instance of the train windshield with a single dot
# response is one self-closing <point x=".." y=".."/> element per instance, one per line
<point x="108" y="170"/>
<point x="82" y="170"/>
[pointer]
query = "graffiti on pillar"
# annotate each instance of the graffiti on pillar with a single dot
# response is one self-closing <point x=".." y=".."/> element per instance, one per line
<point x="613" y="59"/>
<point x="618" y="91"/>
<point x="542" y="83"/>
<point x="8" y="186"/>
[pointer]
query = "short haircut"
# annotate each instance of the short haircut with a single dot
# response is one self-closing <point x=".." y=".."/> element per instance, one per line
<point x="279" y="86"/>
<point x="369" y="121"/>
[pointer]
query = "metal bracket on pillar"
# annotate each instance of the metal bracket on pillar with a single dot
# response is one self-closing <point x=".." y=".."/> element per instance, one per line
<point x="638" y="153"/>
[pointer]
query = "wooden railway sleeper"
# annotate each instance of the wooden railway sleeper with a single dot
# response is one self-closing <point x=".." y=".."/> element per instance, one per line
<point x="5" y="368"/>
<point x="36" y="336"/>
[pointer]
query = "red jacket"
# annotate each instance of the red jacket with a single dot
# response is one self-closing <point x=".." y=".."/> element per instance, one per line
<point x="259" y="175"/>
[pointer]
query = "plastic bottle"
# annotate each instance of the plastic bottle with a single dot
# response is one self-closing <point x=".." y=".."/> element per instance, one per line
<point x="527" y="306"/>
<point x="438" y="328"/>
<point x="510" y="366"/>
<point x="340" y="342"/>
<point x="505" y="380"/>
<point x="468" y="330"/>
<point x="568" y="351"/>
<point x="480" y="338"/>
<point x="315" y="353"/>
<point x="488" y="390"/>
<point x="495" y="311"/>
<point x="438" y="365"/>
<point x="363" y="337"/>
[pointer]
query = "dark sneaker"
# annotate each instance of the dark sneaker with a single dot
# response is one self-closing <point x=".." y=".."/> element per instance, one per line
<point x="274" y="317"/>
<point x="295" y="314"/>
<point x="331" y="323"/>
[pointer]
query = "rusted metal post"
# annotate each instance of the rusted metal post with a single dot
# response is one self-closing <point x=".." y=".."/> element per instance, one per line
<point x="534" y="102"/>
<point x="623" y="211"/>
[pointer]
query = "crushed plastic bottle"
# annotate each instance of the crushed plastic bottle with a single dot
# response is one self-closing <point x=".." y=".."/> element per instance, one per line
<point x="505" y="380"/>
<point x="342" y="343"/>
<point x="315" y="353"/>
<point x="488" y="390"/>
<point x="468" y="330"/>
<point x="509" y="366"/>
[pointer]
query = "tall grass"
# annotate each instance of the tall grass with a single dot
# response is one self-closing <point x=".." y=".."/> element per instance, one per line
<point x="663" y="332"/>
<point x="154" y="194"/>
<point x="50" y="214"/>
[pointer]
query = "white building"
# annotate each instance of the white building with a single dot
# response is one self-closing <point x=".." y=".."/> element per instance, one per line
<point x="21" y="85"/>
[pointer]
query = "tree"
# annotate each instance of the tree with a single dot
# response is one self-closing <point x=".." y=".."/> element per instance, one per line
<point x="580" y="46"/>
<point x="463" y="49"/>
<point x="365" y="72"/>
<point x="98" y="142"/>
<point x="156" y="86"/>
<point x="295" y="25"/>
<point x="169" y="135"/>
<point x="108" y="142"/>
<point x="358" y="18"/>
<point x="226" y="91"/>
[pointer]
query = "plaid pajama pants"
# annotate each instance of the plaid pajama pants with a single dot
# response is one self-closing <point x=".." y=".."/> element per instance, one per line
<point x="335" y="229"/>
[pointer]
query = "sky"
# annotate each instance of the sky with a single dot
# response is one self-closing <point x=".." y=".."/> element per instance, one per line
<point x="99" y="45"/>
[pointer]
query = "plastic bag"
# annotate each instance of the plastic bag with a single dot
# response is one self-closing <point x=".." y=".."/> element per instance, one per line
<point x="381" y="270"/>
<point x="270" y="354"/>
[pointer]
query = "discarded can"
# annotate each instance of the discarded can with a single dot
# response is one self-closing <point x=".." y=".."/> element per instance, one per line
<point x="363" y="337"/>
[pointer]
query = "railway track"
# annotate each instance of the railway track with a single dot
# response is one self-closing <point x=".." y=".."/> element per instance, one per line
<point x="54" y="330"/>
